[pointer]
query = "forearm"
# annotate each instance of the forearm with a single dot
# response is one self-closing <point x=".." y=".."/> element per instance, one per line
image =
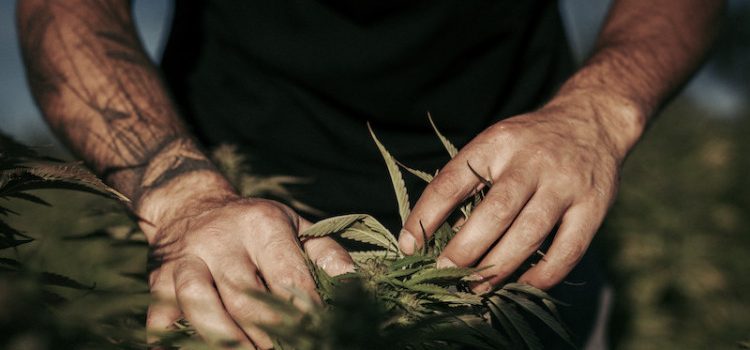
<point x="645" y="51"/>
<point x="99" y="91"/>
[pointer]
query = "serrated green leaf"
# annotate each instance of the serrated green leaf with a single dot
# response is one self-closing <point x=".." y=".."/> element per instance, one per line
<point x="362" y="256"/>
<point x="374" y="225"/>
<point x="540" y="313"/>
<point x="69" y="176"/>
<point x="54" y="279"/>
<point x="552" y="307"/>
<point x="436" y="332"/>
<point x="531" y="290"/>
<point x="402" y="272"/>
<point x="452" y="150"/>
<point x="442" y="236"/>
<point x="9" y="231"/>
<point x="520" y="324"/>
<point x="436" y="274"/>
<point x="29" y="197"/>
<point x="411" y="260"/>
<point x="10" y="262"/>
<point x="9" y="236"/>
<point x="6" y="211"/>
<point x="486" y="332"/>
<point x="6" y="242"/>
<point x="505" y="325"/>
<point x="459" y="298"/>
<point x="399" y="187"/>
<point x="426" y="177"/>
<point x="368" y="236"/>
<point x="486" y="181"/>
<point x="332" y="225"/>
<point x="428" y="288"/>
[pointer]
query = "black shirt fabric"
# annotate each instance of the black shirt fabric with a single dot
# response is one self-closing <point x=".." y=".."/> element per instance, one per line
<point x="293" y="83"/>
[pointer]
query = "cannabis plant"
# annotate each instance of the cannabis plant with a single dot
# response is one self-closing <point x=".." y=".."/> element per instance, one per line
<point x="30" y="297"/>
<point x="405" y="302"/>
<point x="389" y="301"/>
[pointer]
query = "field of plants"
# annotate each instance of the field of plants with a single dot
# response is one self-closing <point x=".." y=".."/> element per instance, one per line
<point x="677" y="243"/>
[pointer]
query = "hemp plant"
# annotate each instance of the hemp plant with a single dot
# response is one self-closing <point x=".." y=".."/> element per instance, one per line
<point x="405" y="302"/>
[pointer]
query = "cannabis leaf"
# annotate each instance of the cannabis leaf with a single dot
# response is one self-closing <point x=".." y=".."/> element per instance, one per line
<point x="452" y="150"/>
<point x="402" y="197"/>
<point x="332" y="225"/>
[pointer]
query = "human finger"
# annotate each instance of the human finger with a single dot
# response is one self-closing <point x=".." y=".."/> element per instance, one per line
<point x="454" y="183"/>
<point x="532" y="225"/>
<point x="235" y="279"/>
<point x="489" y="220"/>
<point x="326" y="253"/>
<point x="578" y="227"/>
<point x="282" y="265"/>
<point x="202" y="305"/>
<point x="163" y="310"/>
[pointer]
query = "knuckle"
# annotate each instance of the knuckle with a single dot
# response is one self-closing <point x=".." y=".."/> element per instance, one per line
<point x="263" y="211"/>
<point x="533" y="233"/>
<point x="543" y="157"/>
<point x="497" y="210"/>
<point x="295" y="279"/>
<point x="279" y="246"/>
<point x="569" y="177"/>
<point x="502" y="133"/>
<point x="515" y="177"/>
<point x="571" y="253"/>
<point x="189" y="288"/>
<point x="238" y="305"/>
<point x="544" y="281"/>
<point x="529" y="241"/>
<point x="448" y="185"/>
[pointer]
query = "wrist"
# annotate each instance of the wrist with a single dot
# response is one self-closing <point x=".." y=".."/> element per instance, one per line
<point x="188" y="194"/>
<point x="618" y="120"/>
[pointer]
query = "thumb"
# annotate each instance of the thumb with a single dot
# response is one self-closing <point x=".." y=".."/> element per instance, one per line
<point x="326" y="253"/>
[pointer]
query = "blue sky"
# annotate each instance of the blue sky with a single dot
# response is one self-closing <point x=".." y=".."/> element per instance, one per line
<point x="18" y="115"/>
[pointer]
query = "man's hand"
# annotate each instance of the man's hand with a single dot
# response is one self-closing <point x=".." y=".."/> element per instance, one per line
<point x="211" y="255"/>
<point x="557" y="165"/>
<point x="560" y="165"/>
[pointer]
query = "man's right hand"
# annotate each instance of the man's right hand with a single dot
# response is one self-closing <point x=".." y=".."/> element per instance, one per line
<point x="118" y="117"/>
<point x="211" y="253"/>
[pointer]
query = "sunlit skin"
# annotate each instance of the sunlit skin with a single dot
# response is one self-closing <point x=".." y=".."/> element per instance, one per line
<point x="559" y="164"/>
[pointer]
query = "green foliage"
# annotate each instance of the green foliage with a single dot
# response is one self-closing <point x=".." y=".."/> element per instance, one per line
<point x="390" y="301"/>
<point x="678" y="237"/>
<point x="452" y="150"/>
<point x="23" y="170"/>
<point x="399" y="187"/>
<point x="29" y="298"/>
<point x="234" y="166"/>
<point x="406" y="302"/>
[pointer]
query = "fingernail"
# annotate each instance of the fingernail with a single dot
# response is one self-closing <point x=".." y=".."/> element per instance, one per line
<point x="482" y="288"/>
<point x="474" y="277"/>
<point x="406" y="242"/>
<point x="444" y="262"/>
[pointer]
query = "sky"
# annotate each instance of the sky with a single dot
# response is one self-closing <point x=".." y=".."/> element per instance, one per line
<point x="18" y="115"/>
<point x="20" y="118"/>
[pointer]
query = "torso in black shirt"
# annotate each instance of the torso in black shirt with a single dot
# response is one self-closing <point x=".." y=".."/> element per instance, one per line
<point x="293" y="83"/>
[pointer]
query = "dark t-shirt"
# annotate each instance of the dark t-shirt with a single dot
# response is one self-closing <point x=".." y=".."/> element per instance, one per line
<point x="293" y="83"/>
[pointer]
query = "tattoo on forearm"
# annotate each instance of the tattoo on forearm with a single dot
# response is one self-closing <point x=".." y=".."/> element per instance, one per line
<point x="95" y="85"/>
